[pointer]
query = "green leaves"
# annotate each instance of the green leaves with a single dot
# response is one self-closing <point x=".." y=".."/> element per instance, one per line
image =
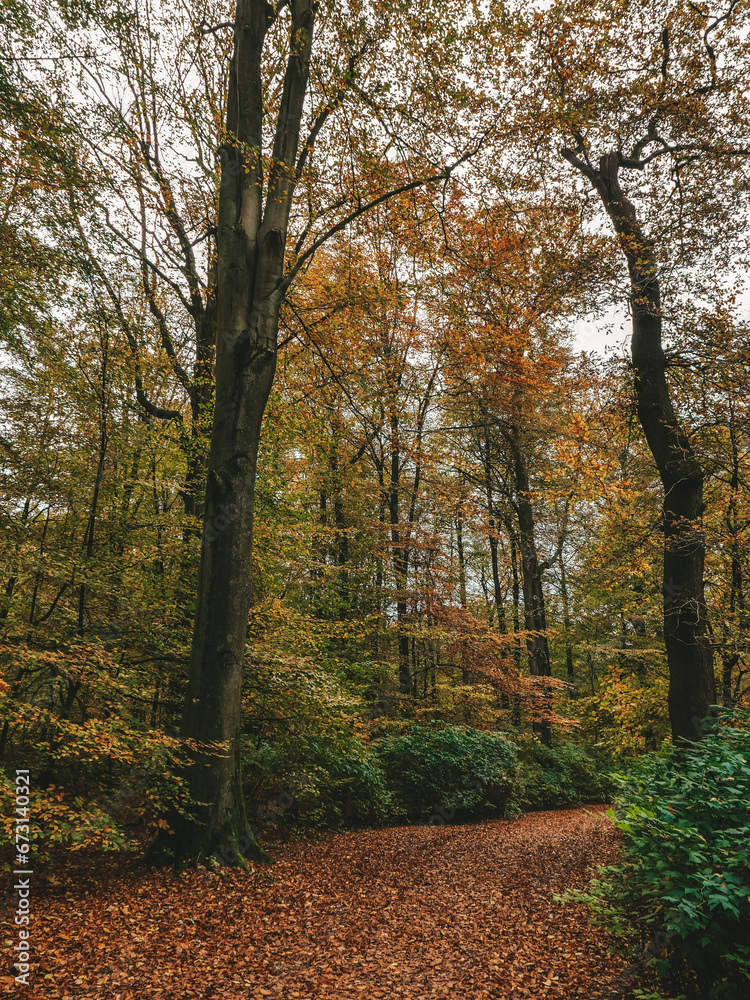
<point x="445" y="769"/>
<point x="686" y="878"/>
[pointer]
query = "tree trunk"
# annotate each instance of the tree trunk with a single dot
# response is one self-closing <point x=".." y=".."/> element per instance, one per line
<point x="342" y="538"/>
<point x="201" y="399"/>
<point x="531" y="577"/>
<point x="465" y="677"/>
<point x="213" y="700"/>
<point x="251" y="241"/>
<point x="493" y="539"/>
<point x="516" y="620"/>
<point x="737" y="607"/>
<point x="569" y="668"/>
<point x="400" y="544"/>
<point x="692" y="686"/>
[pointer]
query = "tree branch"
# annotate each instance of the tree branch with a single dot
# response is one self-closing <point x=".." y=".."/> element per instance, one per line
<point x="332" y="104"/>
<point x="444" y="174"/>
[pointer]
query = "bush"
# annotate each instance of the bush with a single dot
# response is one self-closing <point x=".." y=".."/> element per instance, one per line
<point x="320" y="783"/>
<point x="564" y="775"/>
<point x="112" y="783"/>
<point x="437" y="771"/>
<point x="684" y="886"/>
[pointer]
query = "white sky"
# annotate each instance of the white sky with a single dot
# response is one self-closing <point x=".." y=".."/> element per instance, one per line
<point x="604" y="336"/>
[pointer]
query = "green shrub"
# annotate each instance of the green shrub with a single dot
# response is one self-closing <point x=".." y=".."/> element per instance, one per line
<point x="684" y="886"/>
<point x="435" y="772"/>
<point x="315" y="783"/>
<point x="561" y="775"/>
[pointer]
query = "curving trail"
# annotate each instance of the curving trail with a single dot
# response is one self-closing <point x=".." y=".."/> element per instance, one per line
<point x="458" y="912"/>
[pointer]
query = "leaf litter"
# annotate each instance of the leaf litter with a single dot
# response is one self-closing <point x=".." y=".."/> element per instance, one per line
<point x="415" y="912"/>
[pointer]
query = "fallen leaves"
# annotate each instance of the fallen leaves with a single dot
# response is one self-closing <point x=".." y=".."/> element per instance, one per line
<point x="412" y="912"/>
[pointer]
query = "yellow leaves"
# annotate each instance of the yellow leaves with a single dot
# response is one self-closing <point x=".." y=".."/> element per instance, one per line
<point x="580" y="428"/>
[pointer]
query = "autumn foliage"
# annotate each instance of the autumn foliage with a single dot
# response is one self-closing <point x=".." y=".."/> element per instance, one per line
<point x="318" y="506"/>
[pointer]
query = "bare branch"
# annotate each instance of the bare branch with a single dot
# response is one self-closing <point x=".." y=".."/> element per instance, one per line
<point x="52" y="607"/>
<point x="206" y="29"/>
<point x="195" y="285"/>
<point x="444" y="174"/>
<point x="332" y="104"/>
<point x="166" y="338"/>
<point x="712" y="27"/>
<point x="138" y="252"/>
<point x="665" y="47"/>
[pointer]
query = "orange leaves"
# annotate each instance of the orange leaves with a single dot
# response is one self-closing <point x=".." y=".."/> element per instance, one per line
<point x="413" y="912"/>
<point x="580" y="428"/>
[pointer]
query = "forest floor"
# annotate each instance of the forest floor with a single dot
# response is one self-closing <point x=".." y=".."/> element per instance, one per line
<point x="458" y="911"/>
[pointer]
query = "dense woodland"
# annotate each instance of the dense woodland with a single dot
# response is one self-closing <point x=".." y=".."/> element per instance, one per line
<point x="314" y="513"/>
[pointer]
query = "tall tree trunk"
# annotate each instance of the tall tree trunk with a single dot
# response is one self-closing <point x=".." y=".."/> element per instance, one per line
<point x="737" y="607"/>
<point x="342" y="536"/>
<point x="692" y="685"/>
<point x="400" y="558"/>
<point x="201" y="398"/>
<point x="251" y="240"/>
<point x="493" y="525"/>
<point x="569" y="668"/>
<point x="531" y="576"/>
<point x="380" y="569"/>
<point x="462" y="590"/>
<point x="516" y="618"/>
<point x="88" y="539"/>
<point x="317" y="572"/>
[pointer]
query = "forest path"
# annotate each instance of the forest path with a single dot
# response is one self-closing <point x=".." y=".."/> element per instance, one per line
<point x="458" y="911"/>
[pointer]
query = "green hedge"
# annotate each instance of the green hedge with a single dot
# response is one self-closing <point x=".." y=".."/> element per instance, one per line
<point x="316" y="783"/>
<point x="432" y="773"/>
<point x="564" y="775"/>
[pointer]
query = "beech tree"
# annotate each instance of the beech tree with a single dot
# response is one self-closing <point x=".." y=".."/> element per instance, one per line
<point x="520" y="283"/>
<point x="253" y="272"/>
<point x="377" y="350"/>
<point x="646" y="94"/>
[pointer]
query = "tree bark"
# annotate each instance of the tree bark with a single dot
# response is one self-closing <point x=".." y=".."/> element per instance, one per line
<point x="737" y="606"/>
<point x="531" y="576"/>
<point x="465" y="676"/>
<point x="569" y="668"/>
<point x="692" y="685"/>
<point x="492" y="520"/>
<point x="516" y="619"/>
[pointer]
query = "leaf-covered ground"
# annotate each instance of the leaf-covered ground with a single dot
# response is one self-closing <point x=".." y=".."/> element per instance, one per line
<point x="412" y="912"/>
